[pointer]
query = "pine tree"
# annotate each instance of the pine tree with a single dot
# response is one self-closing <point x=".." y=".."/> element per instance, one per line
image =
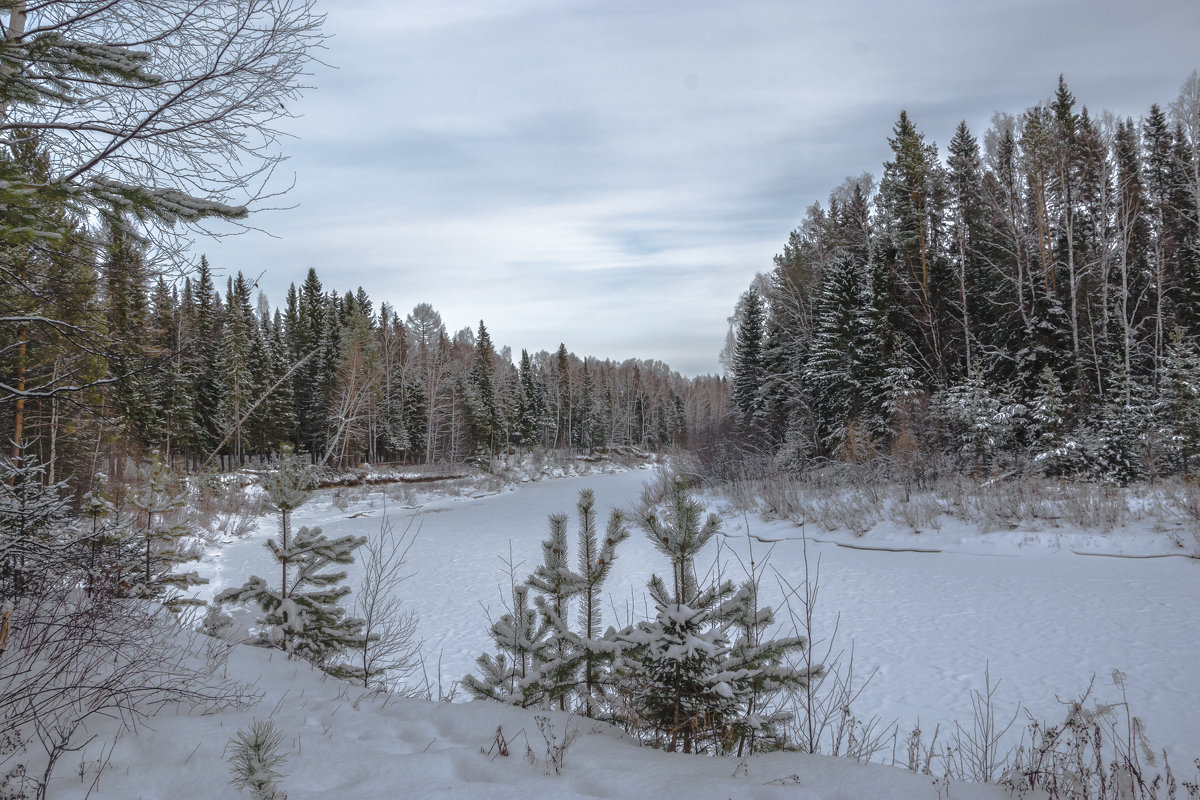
<point x="556" y="585"/>
<point x="756" y="669"/>
<point x="255" y="760"/>
<point x="595" y="563"/>
<point x="511" y="675"/>
<point x="306" y="620"/>
<point x="157" y="496"/>
<point x="702" y="672"/>
<point x="676" y="656"/>
<point x="302" y="616"/>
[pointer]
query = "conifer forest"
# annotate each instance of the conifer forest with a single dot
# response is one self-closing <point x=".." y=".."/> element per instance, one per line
<point x="1026" y="298"/>
<point x="222" y="542"/>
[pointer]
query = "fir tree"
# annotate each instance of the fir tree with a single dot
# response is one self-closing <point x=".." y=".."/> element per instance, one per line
<point x="748" y="367"/>
<point x="157" y="497"/>
<point x="34" y="523"/>
<point x="1055" y="450"/>
<point x="302" y="616"/>
<point x="511" y="675"/>
<point x="1178" y="407"/>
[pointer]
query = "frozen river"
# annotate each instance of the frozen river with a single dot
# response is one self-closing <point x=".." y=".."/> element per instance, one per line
<point x="1044" y="622"/>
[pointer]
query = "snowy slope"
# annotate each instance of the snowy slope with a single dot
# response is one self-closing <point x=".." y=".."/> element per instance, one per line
<point x="348" y="745"/>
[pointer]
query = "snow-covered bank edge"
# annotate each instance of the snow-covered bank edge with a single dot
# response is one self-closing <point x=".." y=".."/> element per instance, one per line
<point x="342" y="741"/>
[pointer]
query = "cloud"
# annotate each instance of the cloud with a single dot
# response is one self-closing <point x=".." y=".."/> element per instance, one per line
<point x="612" y="174"/>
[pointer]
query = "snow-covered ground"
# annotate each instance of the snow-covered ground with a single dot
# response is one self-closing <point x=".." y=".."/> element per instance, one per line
<point x="343" y="743"/>
<point x="1042" y="618"/>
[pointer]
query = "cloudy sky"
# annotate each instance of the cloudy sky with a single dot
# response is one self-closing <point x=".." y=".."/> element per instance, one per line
<point x="612" y="174"/>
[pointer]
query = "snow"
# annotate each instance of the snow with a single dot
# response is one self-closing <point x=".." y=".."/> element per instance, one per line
<point x="1020" y="604"/>
<point x="343" y="742"/>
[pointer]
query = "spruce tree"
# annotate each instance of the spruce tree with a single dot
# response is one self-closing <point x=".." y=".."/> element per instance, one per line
<point x="158" y="495"/>
<point x="964" y="179"/>
<point x="911" y="205"/>
<point x="34" y="523"/>
<point x="128" y="315"/>
<point x="1054" y="449"/>
<point x="748" y="367"/>
<point x="236" y="350"/>
<point x="1178" y="406"/>
<point x="204" y="363"/>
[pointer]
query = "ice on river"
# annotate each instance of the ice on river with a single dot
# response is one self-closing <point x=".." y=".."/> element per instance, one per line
<point x="1042" y="619"/>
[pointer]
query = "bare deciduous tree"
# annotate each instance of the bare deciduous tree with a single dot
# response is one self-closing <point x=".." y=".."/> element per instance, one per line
<point x="390" y="652"/>
<point x="167" y="109"/>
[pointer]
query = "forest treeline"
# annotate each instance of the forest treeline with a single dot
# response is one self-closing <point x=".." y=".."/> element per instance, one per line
<point x="1028" y="300"/>
<point x="130" y="363"/>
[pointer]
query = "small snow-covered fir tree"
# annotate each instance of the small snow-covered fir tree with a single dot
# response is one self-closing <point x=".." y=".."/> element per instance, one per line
<point x="511" y="675"/>
<point x="255" y="760"/>
<point x="1057" y="452"/>
<point x="157" y="496"/>
<point x="1117" y="446"/>
<point x="983" y="422"/>
<point x="302" y="616"/>
<point x="702" y="670"/>
<point x="33" y="519"/>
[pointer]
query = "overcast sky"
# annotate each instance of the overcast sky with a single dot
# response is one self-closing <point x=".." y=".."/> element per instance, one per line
<point x="612" y="174"/>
